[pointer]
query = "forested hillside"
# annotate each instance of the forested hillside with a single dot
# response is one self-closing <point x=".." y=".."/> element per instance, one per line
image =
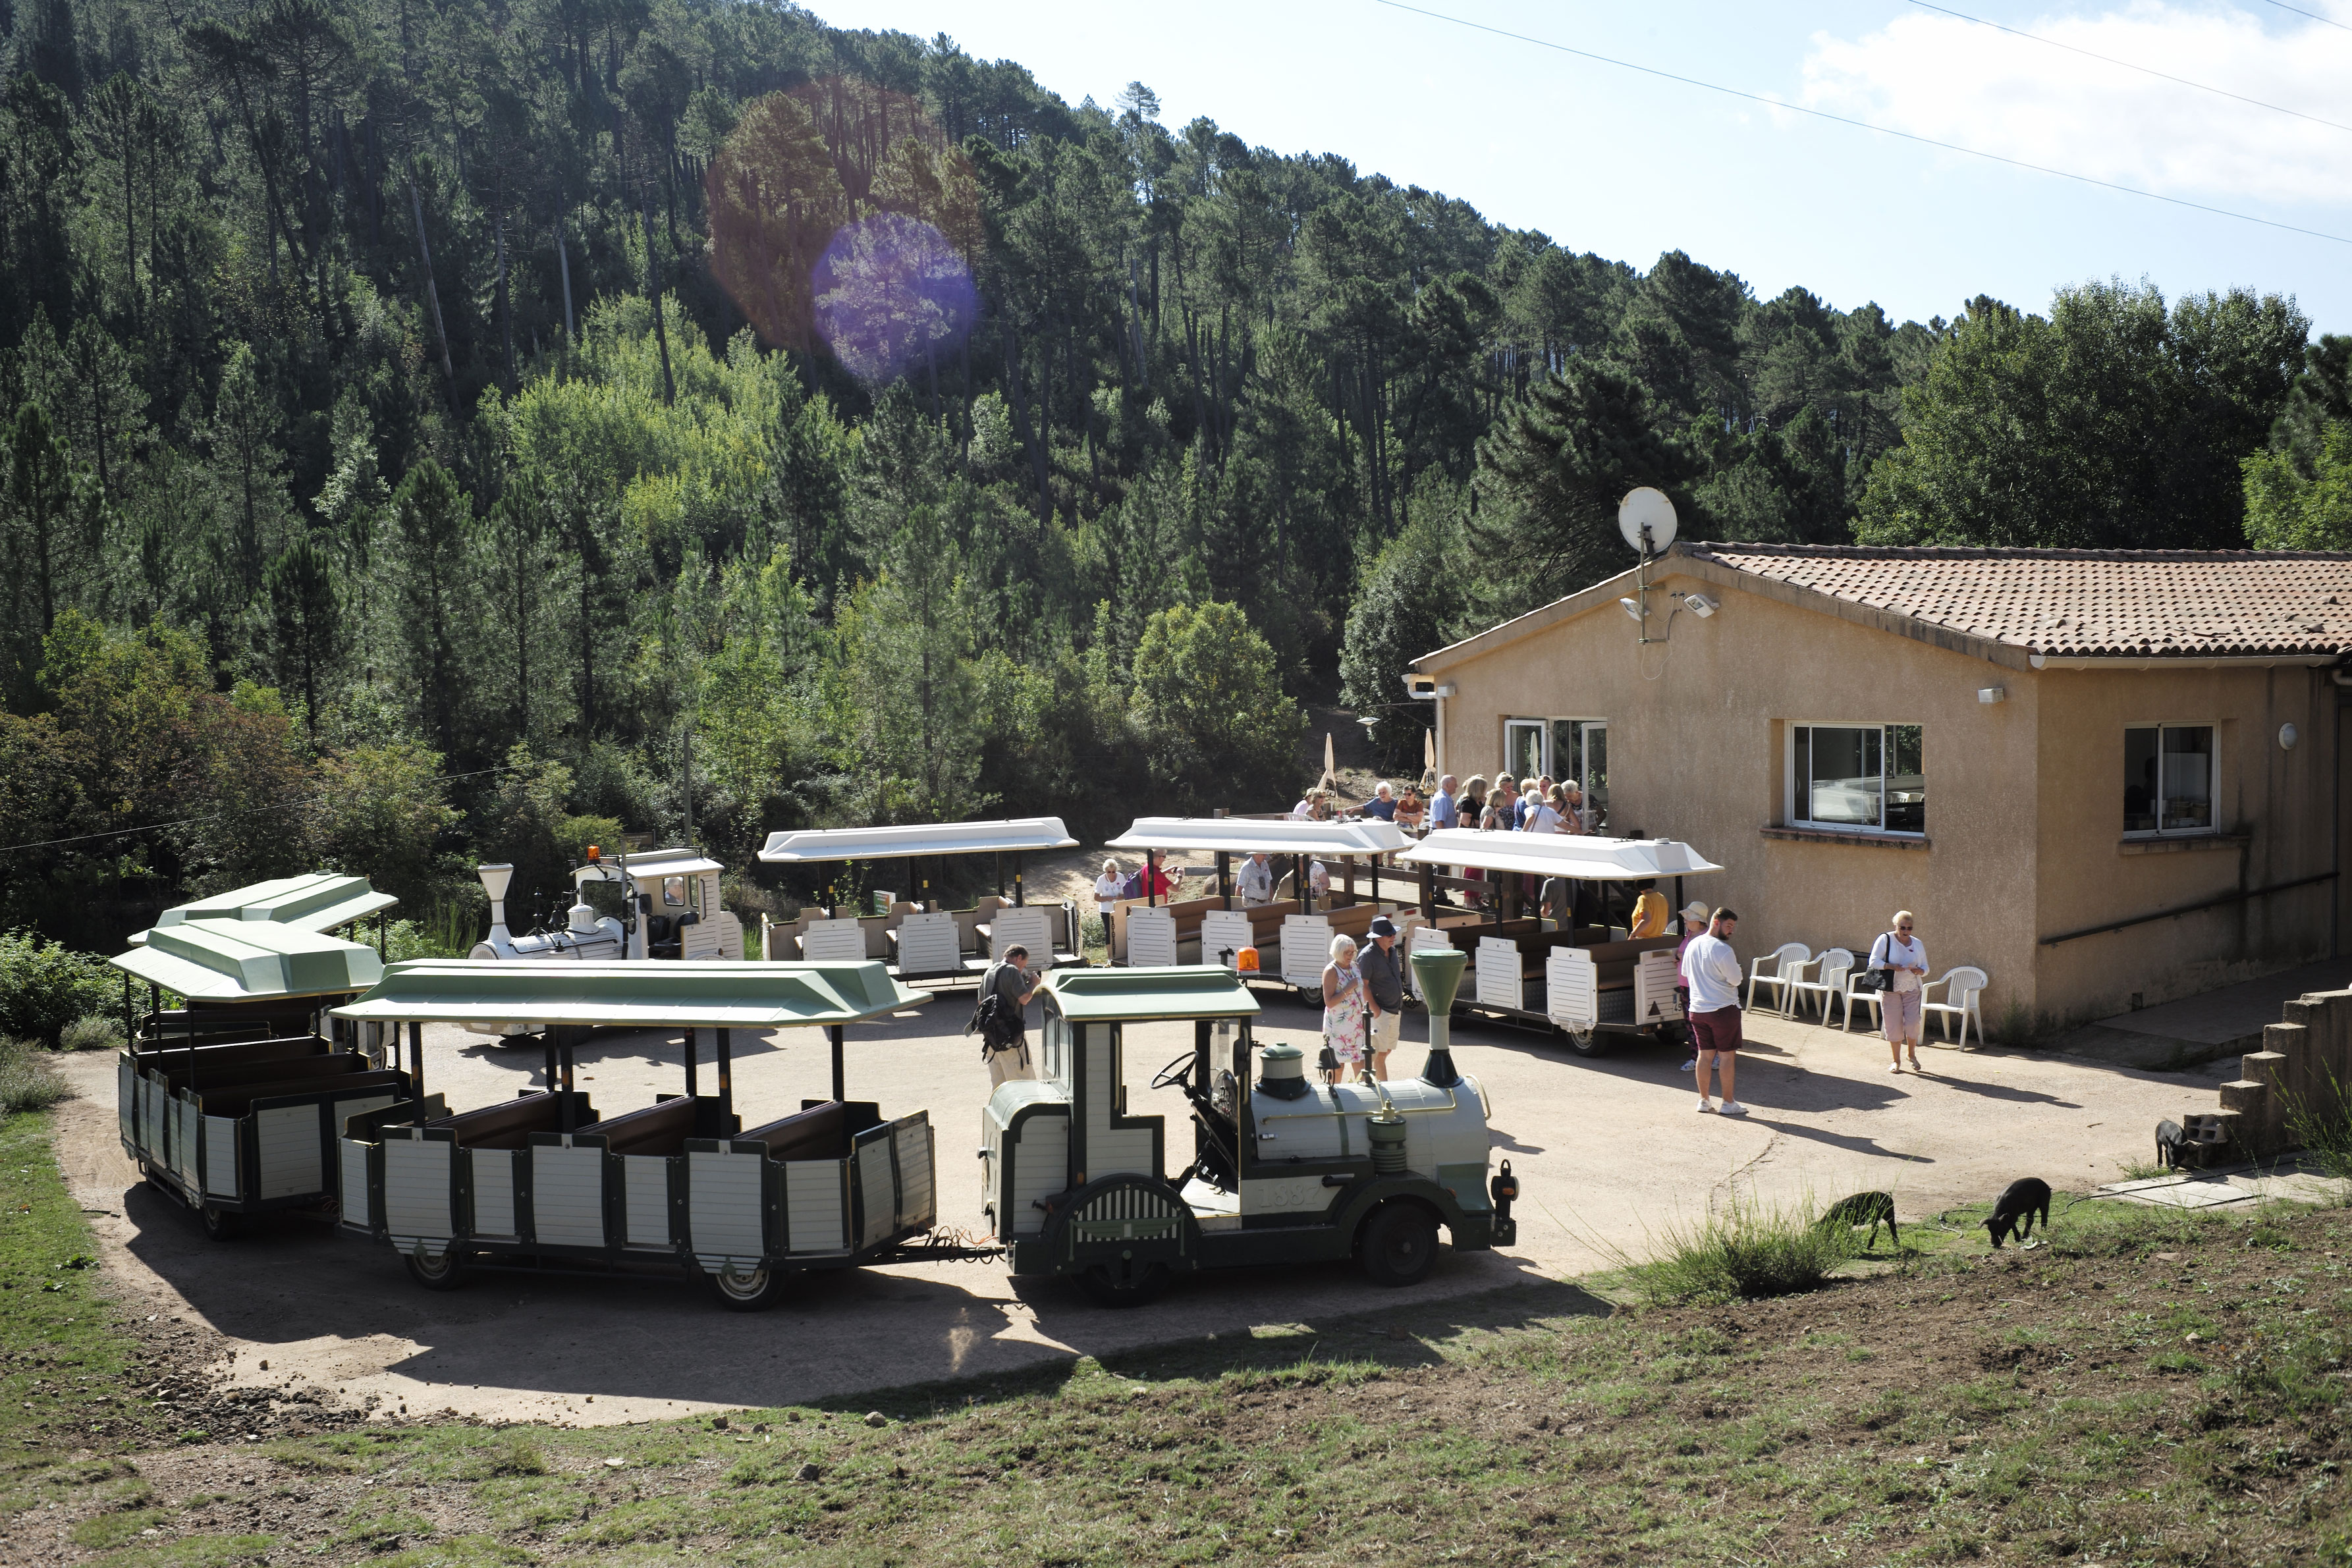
<point x="431" y="426"/>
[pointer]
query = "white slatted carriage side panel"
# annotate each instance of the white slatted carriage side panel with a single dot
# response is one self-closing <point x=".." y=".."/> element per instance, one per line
<point x="358" y="1202"/>
<point x="1571" y="988"/>
<point x="494" y="1192"/>
<point x="723" y="1208"/>
<point x="1224" y="931"/>
<point x="730" y="936"/>
<point x="878" y="1193"/>
<point x="1151" y="938"/>
<point x="816" y="1205"/>
<point x="567" y="1194"/>
<point x="1306" y="950"/>
<point x="1041" y="1167"/>
<point x="343" y="1111"/>
<point x="152" y="1096"/>
<point x="645" y="1200"/>
<point x="929" y="944"/>
<point x="286" y="1140"/>
<point x="1654" y="989"/>
<point x="701" y="942"/>
<point x="1027" y="927"/>
<point x="186" y="1118"/>
<point x="220" y="1157"/>
<point x="418" y="1174"/>
<point x="917" y="1187"/>
<point x="1498" y="972"/>
<point x="834" y="942"/>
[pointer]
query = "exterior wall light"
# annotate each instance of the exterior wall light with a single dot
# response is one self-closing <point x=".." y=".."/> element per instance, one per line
<point x="1700" y="605"/>
<point x="1634" y="608"/>
<point x="1993" y="694"/>
<point x="2288" y="737"/>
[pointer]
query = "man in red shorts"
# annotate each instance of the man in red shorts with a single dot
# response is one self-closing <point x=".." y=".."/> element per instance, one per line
<point x="1711" y="970"/>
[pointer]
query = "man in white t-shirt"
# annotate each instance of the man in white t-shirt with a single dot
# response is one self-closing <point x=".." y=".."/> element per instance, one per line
<point x="1711" y="970"/>
<point x="1256" y="882"/>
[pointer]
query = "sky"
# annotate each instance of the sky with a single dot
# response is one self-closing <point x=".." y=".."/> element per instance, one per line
<point x="1608" y="158"/>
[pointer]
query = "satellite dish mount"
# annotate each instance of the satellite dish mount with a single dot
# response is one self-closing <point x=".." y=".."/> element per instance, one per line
<point x="1646" y="517"/>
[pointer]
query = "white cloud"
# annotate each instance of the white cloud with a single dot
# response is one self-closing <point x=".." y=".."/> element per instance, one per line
<point x="1938" y="77"/>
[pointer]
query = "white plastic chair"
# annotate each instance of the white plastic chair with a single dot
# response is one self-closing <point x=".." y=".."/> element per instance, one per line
<point x="1868" y="998"/>
<point x="1776" y="969"/>
<point x="1835" y="964"/>
<point x="1963" y="990"/>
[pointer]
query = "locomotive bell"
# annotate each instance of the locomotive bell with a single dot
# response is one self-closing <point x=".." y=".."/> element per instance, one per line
<point x="1438" y="972"/>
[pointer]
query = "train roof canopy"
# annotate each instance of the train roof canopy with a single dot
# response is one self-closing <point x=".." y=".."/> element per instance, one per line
<point x="640" y="994"/>
<point x="1014" y="836"/>
<point x="318" y="901"/>
<point x="1125" y="996"/>
<point x="649" y="865"/>
<point x="1252" y="836"/>
<point x="249" y="960"/>
<point x="1576" y="855"/>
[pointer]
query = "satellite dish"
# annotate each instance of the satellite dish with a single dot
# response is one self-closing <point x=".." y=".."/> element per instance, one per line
<point x="1646" y="509"/>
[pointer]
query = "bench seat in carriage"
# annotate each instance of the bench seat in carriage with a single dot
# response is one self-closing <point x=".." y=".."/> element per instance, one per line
<point x="542" y="1179"/>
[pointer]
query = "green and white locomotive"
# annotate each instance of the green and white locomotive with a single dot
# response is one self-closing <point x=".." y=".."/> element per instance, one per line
<point x="1282" y="1169"/>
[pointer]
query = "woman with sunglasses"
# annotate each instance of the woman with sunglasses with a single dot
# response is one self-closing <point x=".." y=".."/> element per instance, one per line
<point x="1899" y="1004"/>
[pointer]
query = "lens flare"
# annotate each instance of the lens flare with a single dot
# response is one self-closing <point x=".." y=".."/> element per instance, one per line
<point x="891" y="294"/>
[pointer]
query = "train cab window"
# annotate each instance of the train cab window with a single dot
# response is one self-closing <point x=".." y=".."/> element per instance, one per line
<point x="1055" y="1065"/>
<point x="674" y="892"/>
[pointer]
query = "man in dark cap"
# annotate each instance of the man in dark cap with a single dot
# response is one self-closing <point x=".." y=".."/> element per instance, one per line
<point x="1384" y="970"/>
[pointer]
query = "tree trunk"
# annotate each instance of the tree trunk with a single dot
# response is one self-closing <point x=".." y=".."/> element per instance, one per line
<point x="653" y="292"/>
<point x="432" y="295"/>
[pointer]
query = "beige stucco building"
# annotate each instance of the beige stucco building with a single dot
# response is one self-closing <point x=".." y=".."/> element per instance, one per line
<point x="2109" y="778"/>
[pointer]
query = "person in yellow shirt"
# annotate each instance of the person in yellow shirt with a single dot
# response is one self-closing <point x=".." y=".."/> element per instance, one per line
<point x="1650" y="912"/>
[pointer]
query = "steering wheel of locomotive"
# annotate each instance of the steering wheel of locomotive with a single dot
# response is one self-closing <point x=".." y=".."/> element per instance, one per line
<point x="1177" y="1075"/>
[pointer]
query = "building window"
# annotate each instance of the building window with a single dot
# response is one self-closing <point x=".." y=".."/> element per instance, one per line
<point x="1572" y="750"/>
<point x="1867" y="777"/>
<point x="2169" y="778"/>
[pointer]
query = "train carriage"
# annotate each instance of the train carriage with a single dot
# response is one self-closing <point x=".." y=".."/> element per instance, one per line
<point x="231" y="1103"/>
<point x="546" y="1180"/>
<point x="1596" y="983"/>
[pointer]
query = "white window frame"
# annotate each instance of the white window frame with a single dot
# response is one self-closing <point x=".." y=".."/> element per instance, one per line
<point x="1546" y="730"/>
<point x="1798" y="793"/>
<point x="2213" y="779"/>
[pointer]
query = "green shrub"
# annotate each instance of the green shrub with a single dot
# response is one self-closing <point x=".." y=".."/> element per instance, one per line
<point x="447" y="931"/>
<point x="92" y="1031"/>
<point x="45" y="986"/>
<point x="1748" y="1248"/>
<point x="2323" y="1126"/>
<point x="27" y="1082"/>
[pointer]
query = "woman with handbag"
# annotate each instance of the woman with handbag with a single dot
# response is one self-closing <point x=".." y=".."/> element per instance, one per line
<point x="1899" y="963"/>
<point x="1344" y="1030"/>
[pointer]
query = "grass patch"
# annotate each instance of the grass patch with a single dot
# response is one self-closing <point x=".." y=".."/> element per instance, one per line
<point x="27" y="1081"/>
<point x="1746" y="1249"/>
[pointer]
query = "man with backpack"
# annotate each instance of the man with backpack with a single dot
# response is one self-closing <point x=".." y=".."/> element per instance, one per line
<point x="1003" y="1031"/>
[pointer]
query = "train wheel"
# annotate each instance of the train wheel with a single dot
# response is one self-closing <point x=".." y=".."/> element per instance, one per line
<point x="445" y="1272"/>
<point x="222" y="1224"/>
<point x="754" y="1290"/>
<point x="1398" y="1244"/>
<point x="1588" y="1042"/>
<point x="1133" y="1286"/>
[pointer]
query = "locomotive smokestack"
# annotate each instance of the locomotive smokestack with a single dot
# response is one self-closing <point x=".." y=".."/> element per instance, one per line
<point x="1438" y="972"/>
<point x="495" y="879"/>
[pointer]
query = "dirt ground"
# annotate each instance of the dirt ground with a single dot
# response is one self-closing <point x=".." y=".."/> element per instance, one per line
<point x="1607" y="1152"/>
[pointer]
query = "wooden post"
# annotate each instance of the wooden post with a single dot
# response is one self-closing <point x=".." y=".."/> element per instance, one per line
<point x="1682" y="927"/>
<point x="548" y="1041"/>
<point x="1224" y="878"/>
<point x="726" y="1080"/>
<point x="129" y="1027"/>
<point x="1016" y="879"/>
<point x="416" y="1059"/>
<point x="564" y="1062"/>
<point x="1429" y="893"/>
<point x="840" y="1081"/>
<point x="692" y="1090"/>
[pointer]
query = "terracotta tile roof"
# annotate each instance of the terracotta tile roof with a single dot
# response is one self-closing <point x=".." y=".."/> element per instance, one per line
<point x="2080" y="603"/>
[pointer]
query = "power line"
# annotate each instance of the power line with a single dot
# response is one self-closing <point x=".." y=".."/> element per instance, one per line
<point x="1865" y="125"/>
<point x="2313" y="14"/>
<point x="221" y="816"/>
<point x="2126" y="65"/>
